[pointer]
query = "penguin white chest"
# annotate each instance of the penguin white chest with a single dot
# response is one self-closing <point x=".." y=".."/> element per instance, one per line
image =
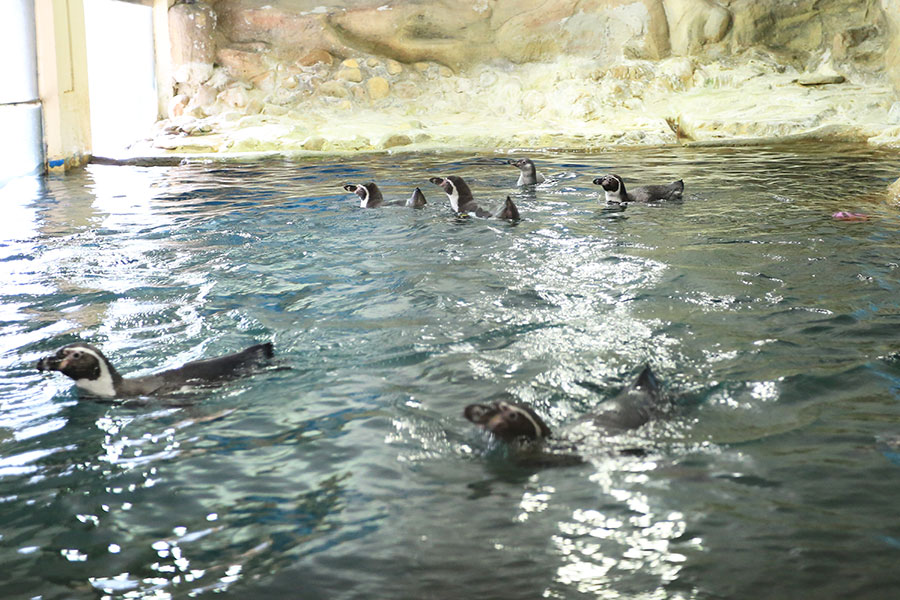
<point x="102" y="387"/>
<point x="615" y="197"/>
<point x="454" y="199"/>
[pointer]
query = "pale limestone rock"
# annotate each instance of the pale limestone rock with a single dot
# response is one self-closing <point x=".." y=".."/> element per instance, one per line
<point x="395" y="140"/>
<point x="677" y="73"/>
<point x="358" y="93"/>
<point x="242" y="65"/>
<point x="177" y="105"/>
<point x="892" y="53"/>
<point x="894" y="190"/>
<point x="314" y="143"/>
<point x="590" y="81"/>
<point x="352" y="74"/>
<point x="378" y="88"/>
<point x="810" y="79"/>
<point x="695" y="23"/>
<point x="191" y="28"/>
<point x="314" y="57"/>
<point x="264" y="81"/>
<point x="192" y="73"/>
<point x="274" y="110"/>
<point x="393" y="67"/>
<point x="451" y="32"/>
<point x="254" y="107"/>
<point x="292" y="33"/>
<point x="205" y="95"/>
<point x="406" y="90"/>
<point x="334" y="89"/>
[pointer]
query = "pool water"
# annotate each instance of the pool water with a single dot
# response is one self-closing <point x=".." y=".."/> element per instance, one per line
<point x="345" y="469"/>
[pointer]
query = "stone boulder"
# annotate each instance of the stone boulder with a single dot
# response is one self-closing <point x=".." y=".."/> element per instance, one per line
<point x="286" y="30"/>
<point x="801" y="31"/>
<point x="455" y="33"/>
<point x="892" y="53"/>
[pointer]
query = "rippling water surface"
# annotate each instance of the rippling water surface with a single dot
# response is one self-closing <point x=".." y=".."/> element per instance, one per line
<point x="345" y="470"/>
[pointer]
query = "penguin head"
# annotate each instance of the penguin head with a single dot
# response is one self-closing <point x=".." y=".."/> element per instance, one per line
<point x="369" y="194"/>
<point x="508" y="421"/>
<point x="78" y="361"/>
<point x="524" y="164"/>
<point x="610" y="183"/>
<point x="457" y="190"/>
<point x="444" y="183"/>
<point x="614" y="189"/>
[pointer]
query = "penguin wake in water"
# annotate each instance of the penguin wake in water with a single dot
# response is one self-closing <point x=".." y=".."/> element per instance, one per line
<point x="636" y="405"/>
<point x="462" y="202"/>
<point x="96" y="376"/>
<point x="370" y="196"/>
<point x="615" y="191"/>
<point x="528" y="174"/>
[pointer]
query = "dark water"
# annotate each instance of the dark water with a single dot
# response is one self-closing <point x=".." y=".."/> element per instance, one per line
<point x="347" y="471"/>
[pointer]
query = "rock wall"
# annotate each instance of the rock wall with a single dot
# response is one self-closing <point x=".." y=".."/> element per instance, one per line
<point x="364" y="74"/>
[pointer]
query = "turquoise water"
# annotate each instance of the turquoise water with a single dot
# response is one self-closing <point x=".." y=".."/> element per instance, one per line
<point x="346" y="470"/>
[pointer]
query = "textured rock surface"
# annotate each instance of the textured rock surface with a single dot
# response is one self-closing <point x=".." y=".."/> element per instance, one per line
<point x="365" y="74"/>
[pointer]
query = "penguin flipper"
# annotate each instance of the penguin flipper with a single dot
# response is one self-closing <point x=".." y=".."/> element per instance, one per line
<point x="647" y="382"/>
<point x="417" y="200"/>
<point x="509" y="211"/>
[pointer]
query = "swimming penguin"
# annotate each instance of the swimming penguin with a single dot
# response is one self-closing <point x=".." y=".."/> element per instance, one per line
<point x="95" y="375"/>
<point x="528" y="174"/>
<point x="636" y="405"/>
<point x="370" y="196"/>
<point x="616" y="194"/>
<point x="461" y="200"/>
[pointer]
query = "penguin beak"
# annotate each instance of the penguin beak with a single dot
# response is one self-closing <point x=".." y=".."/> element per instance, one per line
<point x="493" y="419"/>
<point x="350" y="187"/>
<point x="437" y="180"/>
<point x="598" y="181"/>
<point x="480" y="414"/>
<point x="52" y="363"/>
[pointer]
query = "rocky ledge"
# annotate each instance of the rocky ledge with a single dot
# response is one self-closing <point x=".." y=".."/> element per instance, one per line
<point x="288" y="75"/>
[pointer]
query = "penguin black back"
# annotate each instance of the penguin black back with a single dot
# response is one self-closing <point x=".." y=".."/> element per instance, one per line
<point x="212" y="369"/>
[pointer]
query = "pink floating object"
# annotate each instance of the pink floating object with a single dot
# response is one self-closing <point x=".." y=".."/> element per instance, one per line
<point x="842" y="215"/>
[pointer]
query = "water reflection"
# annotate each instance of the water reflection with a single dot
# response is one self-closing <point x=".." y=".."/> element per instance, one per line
<point x="601" y="550"/>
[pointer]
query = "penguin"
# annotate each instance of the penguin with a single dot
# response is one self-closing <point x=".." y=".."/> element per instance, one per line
<point x="528" y="174"/>
<point x="96" y="376"/>
<point x="417" y="200"/>
<point x="370" y="196"/>
<point x="461" y="200"/>
<point x="636" y="405"/>
<point x="616" y="193"/>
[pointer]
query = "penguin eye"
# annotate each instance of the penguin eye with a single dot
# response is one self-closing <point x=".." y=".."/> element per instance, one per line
<point x="514" y="416"/>
<point x="76" y="355"/>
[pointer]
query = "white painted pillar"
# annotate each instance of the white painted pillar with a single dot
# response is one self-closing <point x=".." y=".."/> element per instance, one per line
<point x="63" y="82"/>
<point x="163" y="54"/>
<point x="20" y="109"/>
